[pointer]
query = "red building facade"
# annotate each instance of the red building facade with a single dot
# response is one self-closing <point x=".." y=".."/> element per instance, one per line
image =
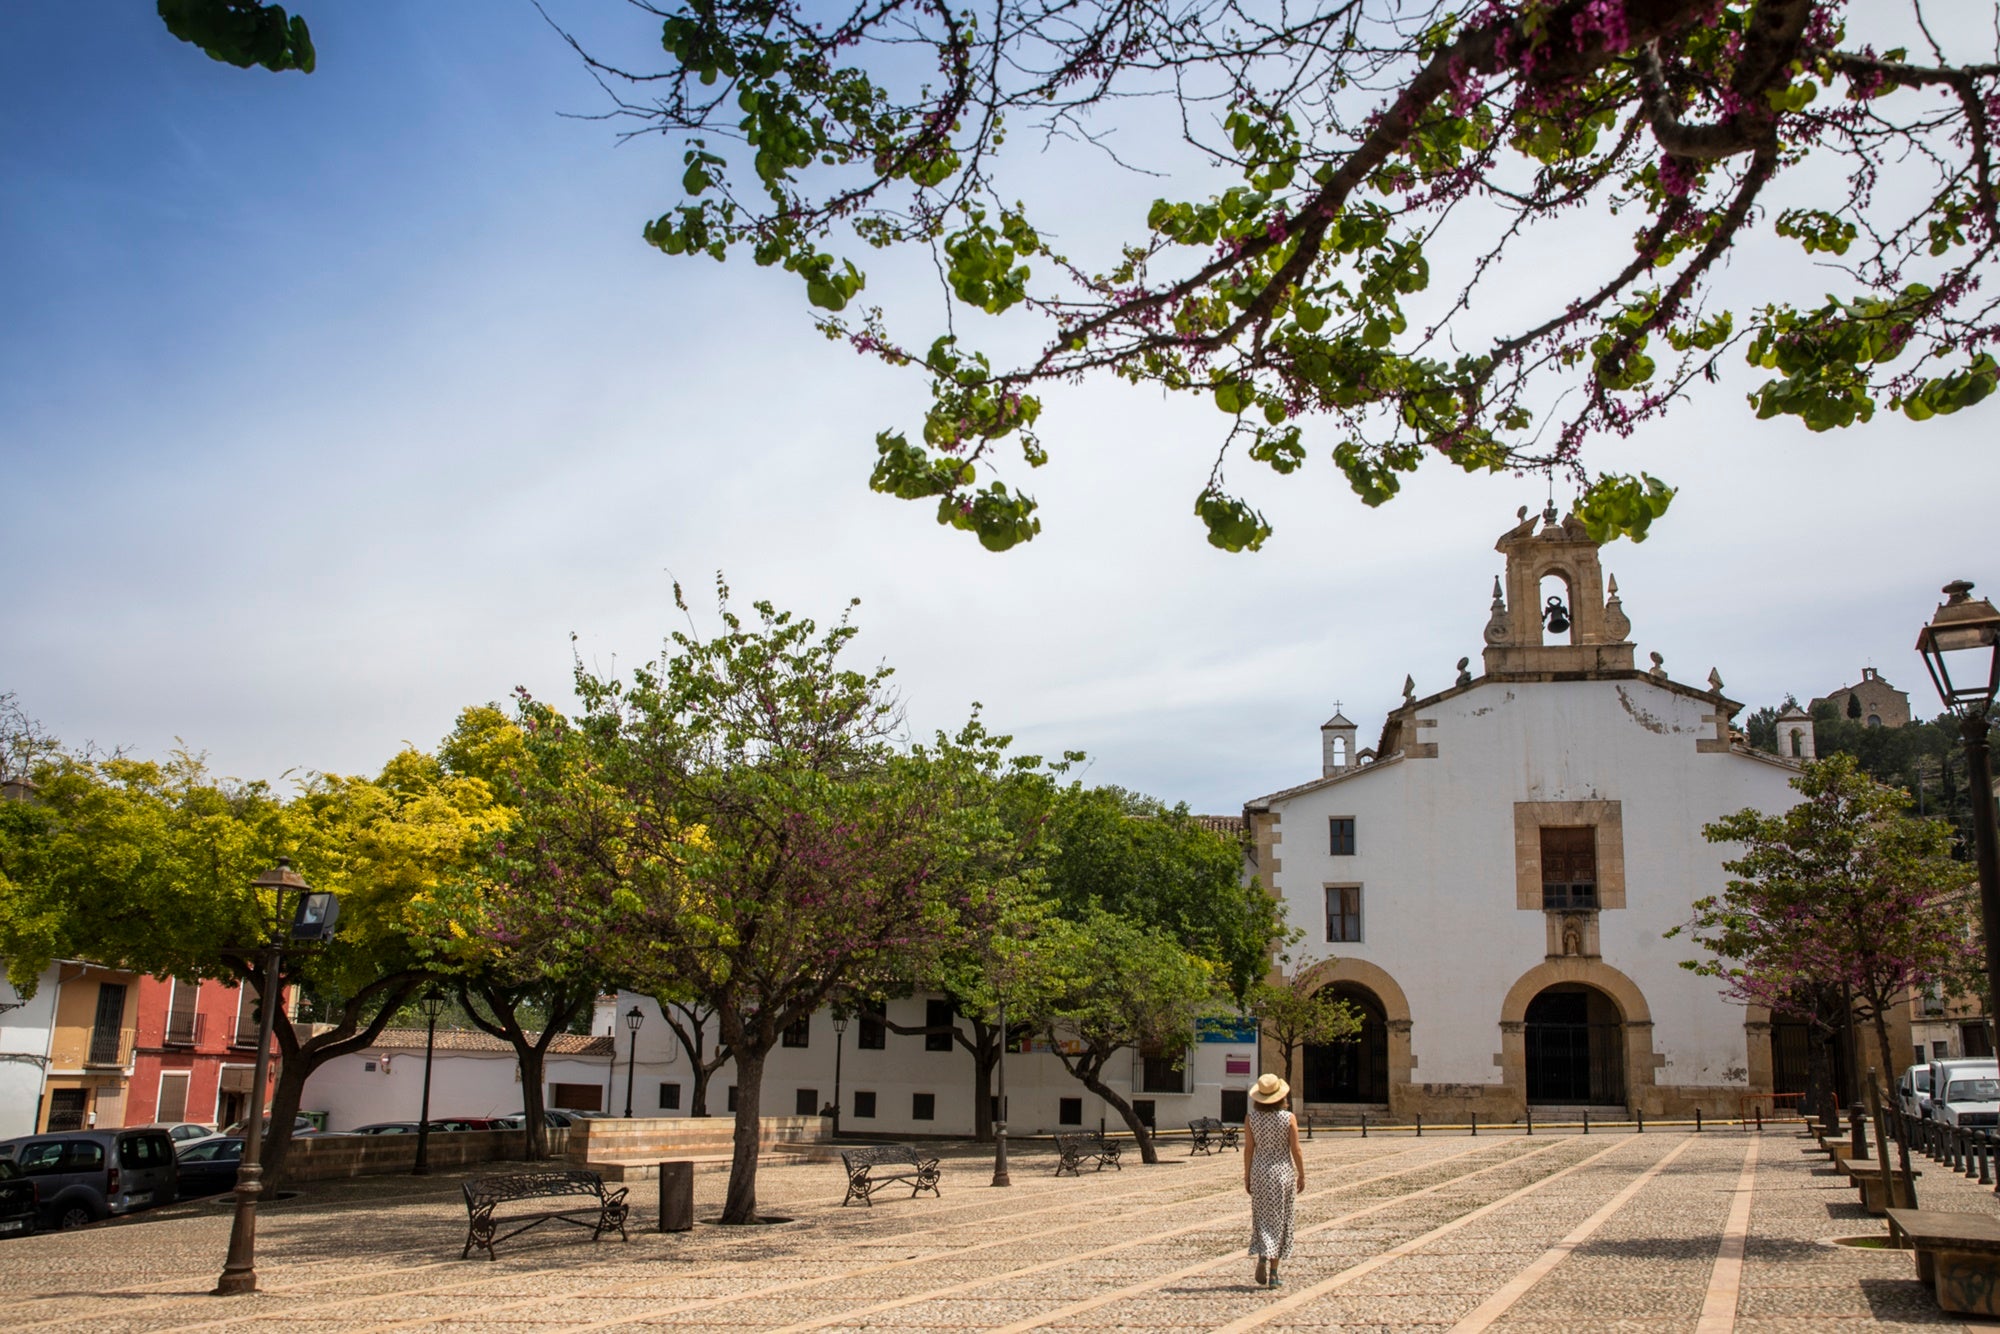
<point x="196" y="1052"/>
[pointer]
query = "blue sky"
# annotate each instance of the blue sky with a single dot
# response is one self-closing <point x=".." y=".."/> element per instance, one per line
<point x="331" y="403"/>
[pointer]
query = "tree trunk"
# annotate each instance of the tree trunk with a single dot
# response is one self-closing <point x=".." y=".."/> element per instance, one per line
<point x="699" y="1105"/>
<point x="285" y="1100"/>
<point x="740" y="1205"/>
<point x="1089" y="1076"/>
<point x="1908" y="1196"/>
<point x="534" y="1118"/>
<point x="1819" y="1075"/>
<point x="985" y="1047"/>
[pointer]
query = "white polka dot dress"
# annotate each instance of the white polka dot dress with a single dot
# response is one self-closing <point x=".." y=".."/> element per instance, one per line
<point x="1273" y="1182"/>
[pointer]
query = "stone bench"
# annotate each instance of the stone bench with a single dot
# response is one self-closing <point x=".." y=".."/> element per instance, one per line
<point x="1957" y="1254"/>
<point x="1874" y="1188"/>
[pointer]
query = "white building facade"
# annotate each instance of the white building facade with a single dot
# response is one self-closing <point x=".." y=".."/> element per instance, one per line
<point x="27" y="1037"/>
<point x="1493" y="886"/>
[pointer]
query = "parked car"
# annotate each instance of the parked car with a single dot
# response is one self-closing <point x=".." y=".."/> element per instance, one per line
<point x="184" y="1132"/>
<point x="301" y="1125"/>
<point x="551" y="1118"/>
<point x="209" y="1165"/>
<point x="1913" y="1092"/>
<point x="19" y="1201"/>
<point x="388" y="1128"/>
<point x="1966" y="1093"/>
<point x="82" y="1176"/>
<point x="472" y="1123"/>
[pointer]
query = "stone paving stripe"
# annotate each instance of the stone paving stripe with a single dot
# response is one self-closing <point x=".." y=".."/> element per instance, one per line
<point x="1725" y="1281"/>
<point x="1136" y="1289"/>
<point x="1039" y="1267"/>
<point x="581" y="1272"/>
<point x="1517" y="1287"/>
<point x="1304" y="1295"/>
<point x="951" y="1252"/>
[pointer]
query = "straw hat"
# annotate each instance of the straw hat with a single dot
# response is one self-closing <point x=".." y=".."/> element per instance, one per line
<point x="1269" y="1089"/>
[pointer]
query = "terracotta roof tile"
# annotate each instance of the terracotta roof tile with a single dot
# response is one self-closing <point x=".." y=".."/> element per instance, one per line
<point x="472" y="1039"/>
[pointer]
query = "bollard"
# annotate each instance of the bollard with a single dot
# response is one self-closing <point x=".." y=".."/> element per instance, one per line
<point x="1531" y="1120"/>
<point x="1697" y="1120"/>
<point x="1985" y="1157"/>
<point x="1420" y="1125"/>
<point x="1586" y="1120"/>
<point x="1857" y="1137"/>
<point x="1642" y="1121"/>
<point x="1364" y="1125"/>
<point x="1475" y="1125"/>
<point x="1760" y="1119"/>
<point x="677" y="1197"/>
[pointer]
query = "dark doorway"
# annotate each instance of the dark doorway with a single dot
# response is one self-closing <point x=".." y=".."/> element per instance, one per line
<point x="1235" y="1104"/>
<point x="1791" y="1059"/>
<point x="1575" y="1048"/>
<point x="1356" y="1070"/>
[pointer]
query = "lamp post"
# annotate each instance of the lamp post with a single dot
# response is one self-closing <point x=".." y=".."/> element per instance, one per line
<point x="432" y="1004"/>
<point x="633" y="1018"/>
<point x="1965" y="635"/>
<point x="317" y="913"/>
<point x="1000" y="1177"/>
<point x="839" y="1028"/>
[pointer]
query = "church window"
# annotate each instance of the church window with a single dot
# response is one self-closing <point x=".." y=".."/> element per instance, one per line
<point x="1340" y="830"/>
<point x="1343" y="913"/>
<point x="1798" y="745"/>
<point x="1569" y="867"/>
<point x="1874" y="720"/>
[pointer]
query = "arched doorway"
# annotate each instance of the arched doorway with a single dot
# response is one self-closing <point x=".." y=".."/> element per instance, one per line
<point x="1356" y="1070"/>
<point x="1575" y="1041"/>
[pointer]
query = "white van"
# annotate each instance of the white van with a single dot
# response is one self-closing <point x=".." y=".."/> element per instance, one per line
<point x="1913" y="1092"/>
<point x="1966" y="1093"/>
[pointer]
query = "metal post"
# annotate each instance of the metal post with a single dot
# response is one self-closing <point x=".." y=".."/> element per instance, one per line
<point x="1364" y="1126"/>
<point x="1475" y="1125"/>
<point x="1697" y="1120"/>
<point x="239" y="1271"/>
<point x="422" y="1167"/>
<point x="1000" y="1176"/>
<point x="1986" y="846"/>
<point x="839" y="1034"/>
<point x="1531" y="1120"/>
<point x="1641" y="1114"/>
<point x="631" y="1068"/>
<point x="1759" y="1110"/>
<point x="1420" y="1125"/>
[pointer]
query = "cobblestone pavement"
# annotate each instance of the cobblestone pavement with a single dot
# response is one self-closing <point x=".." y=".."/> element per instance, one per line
<point x="1709" y="1233"/>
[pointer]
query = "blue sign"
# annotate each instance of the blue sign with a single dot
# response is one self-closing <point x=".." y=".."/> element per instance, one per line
<point x="1238" y="1029"/>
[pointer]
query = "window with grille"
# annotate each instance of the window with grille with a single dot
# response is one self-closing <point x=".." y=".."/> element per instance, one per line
<point x="864" y="1104"/>
<point x="806" y="1102"/>
<point x="799" y="1034"/>
<point x="1343" y="913"/>
<point x="874" y="1030"/>
<point x="1162" y="1072"/>
<point x="923" y="1106"/>
<point x="1340" y="835"/>
<point x="1569" y="866"/>
<point x="937" y="1015"/>
<point x="670" y="1097"/>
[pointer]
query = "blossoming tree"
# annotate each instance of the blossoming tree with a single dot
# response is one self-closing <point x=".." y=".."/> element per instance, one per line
<point x="1389" y="234"/>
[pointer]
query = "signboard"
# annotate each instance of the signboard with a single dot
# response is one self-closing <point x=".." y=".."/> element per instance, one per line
<point x="1237" y="1029"/>
<point x="1233" y="1064"/>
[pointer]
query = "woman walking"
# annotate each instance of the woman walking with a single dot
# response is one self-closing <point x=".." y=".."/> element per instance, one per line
<point x="1274" y="1172"/>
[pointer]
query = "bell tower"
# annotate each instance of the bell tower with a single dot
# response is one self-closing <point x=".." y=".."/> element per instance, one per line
<point x="1525" y="618"/>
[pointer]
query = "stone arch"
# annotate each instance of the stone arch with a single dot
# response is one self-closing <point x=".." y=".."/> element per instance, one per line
<point x="1395" y="1010"/>
<point x="1641" y="1061"/>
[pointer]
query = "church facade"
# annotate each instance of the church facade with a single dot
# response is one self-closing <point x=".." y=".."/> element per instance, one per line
<point x="1492" y="882"/>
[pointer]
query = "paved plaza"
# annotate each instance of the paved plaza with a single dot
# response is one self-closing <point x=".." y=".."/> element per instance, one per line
<point x="1715" y="1232"/>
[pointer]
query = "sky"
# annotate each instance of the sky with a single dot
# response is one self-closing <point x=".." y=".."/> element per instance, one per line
<point x="330" y="404"/>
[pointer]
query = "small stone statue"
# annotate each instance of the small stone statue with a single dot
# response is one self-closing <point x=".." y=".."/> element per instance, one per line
<point x="1464" y="675"/>
<point x="1659" y="672"/>
<point x="1409" y="690"/>
<point x="1715" y="680"/>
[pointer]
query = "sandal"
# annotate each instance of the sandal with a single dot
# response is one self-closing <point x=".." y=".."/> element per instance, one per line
<point x="1263" y="1273"/>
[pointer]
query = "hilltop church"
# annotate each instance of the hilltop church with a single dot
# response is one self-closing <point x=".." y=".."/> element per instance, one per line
<point x="1491" y="882"/>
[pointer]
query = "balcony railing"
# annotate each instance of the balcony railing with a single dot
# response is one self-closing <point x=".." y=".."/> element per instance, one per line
<point x="109" y="1046"/>
<point x="183" y="1028"/>
<point x="246" y="1032"/>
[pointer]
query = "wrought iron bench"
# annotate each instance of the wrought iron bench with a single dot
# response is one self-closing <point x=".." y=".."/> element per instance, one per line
<point x="1208" y="1135"/>
<point x="871" y="1169"/>
<point x="604" y="1212"/>
<point x="1072" y="1150"/>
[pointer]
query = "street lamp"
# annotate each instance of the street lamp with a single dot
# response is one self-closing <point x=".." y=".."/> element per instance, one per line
<point x="633" y="1018"/>
<point x="1000" y="1177"/>
<point x="839" y="1027"/>
<point x="318" y="911"/>
<point x="1965" y="636"/>
<point x="432" y="1004"/>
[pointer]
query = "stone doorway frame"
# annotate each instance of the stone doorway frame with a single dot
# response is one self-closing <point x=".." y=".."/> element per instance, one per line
<point x="1641" y="1061"/>
<point x="1395" y="1012"/>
